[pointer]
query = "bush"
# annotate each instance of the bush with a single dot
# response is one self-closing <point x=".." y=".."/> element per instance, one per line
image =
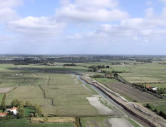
<point x="20" y="111"/>
<point x="28" y="104"/>
<point x="161" y="113"/>
<point x="38" y="111"/>
<point x="98" y="76"/>
<point x="3" y="103"/>
<point x="16" y="103"/>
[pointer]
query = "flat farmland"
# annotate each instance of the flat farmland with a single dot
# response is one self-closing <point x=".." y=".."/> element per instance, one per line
<point x="95" y="122"/>
<point x="68" y="95"/>
<point x="108" y="122"/>
<point x="130" y="93"/>
<point x="57" y="94"/>
<point x="142" y="73"/>
<point x="32" y="94"/>
<point x="152" y="73"/>
<point x="17" y="75"/>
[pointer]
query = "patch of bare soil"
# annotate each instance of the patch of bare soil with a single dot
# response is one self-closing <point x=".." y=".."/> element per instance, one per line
<point x="6" y="90"/>
<point x="101" y="108"/>
<point x="119" y="122"/>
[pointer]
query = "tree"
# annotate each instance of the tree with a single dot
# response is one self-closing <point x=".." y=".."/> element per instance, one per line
<point x="3" y="103"/>
<point x="45" y="119"/>
<point x="28" y="104"/>
<point x="108" y="74"/>
<point x="20" y="111"/>
<point x="38" y="111"/>
<point x="16" y="103"/>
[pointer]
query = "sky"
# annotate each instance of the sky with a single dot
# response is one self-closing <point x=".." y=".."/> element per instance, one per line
<point x="129" y="27"/>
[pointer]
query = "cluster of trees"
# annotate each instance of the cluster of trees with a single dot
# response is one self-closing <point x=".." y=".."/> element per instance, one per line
<point x="107" y="74"/>
<point x="161" y="91"/>
<point x="95" y="68"/>
<point x="21" y="105"/>
<point x="25" y="60"/>
<point x="20" y="108"/>
<point x="3" y="102"/>
<point x="144" y="60"/>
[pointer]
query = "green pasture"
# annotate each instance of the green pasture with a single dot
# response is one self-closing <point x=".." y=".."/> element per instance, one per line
<point x="57" y="94"/>
<point x="94" y="122"/>
<point x="26" y="123"/>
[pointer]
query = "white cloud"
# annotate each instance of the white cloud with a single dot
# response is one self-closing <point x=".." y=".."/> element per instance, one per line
<point x="7" y="11"/>
<point x="149" y="12"/>
<point x="10" y="3"/>
<point x="46" y="26"/>
<point x="97" y="3"/>
<point x="93" y="10"/>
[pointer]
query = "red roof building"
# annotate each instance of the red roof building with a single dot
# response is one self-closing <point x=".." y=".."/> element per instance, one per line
<point x="3" y="114"/>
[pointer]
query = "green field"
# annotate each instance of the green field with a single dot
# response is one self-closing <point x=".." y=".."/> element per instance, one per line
<point x="17" y="75"/>
<point x="26" y="123"/>
<point x="59" y="92"/>
<point x="146" y="73"/>
<point x="94" y="122"/>
<point x="160" y="106"/>
<point x="141" y="73"/>
<point x="56" y="92"/>
<point x="1" y="96"/>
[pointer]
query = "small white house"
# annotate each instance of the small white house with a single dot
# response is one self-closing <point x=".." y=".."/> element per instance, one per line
<point x="13" y="110"/>
<point x="155" y="88"/>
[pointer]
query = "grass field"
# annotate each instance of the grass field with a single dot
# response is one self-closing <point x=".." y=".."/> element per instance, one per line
<point x="62" y="95"/>
<point x="68" y="95"/>
<point x="130" y="93"/>
<point x="54" y="119"/>
<point x="26" y="123"/>
<point x="160" y="106"/>
<point x="17" y="75"/>
<point x="94" y="122"/>
<point x="152" y="73"/>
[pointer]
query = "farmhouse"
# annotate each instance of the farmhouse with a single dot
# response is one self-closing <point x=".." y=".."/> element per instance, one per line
<point x="154" y="88"/>
<point x="13" y="110"/>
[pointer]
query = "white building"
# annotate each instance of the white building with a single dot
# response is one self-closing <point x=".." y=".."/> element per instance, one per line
<point x="13" y="110"/>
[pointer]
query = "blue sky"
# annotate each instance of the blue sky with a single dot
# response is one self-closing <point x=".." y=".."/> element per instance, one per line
<point x="83" y="27"/>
